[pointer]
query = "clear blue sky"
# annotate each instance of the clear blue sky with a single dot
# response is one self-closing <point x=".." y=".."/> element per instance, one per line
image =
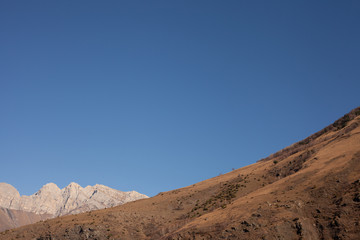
<point x="156" y="95"/>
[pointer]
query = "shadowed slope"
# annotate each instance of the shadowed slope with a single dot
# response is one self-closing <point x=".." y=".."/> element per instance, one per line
<point x="14" y="218"/>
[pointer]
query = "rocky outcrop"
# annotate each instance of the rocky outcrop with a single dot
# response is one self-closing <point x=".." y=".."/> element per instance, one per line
<point x="51" y="201"/>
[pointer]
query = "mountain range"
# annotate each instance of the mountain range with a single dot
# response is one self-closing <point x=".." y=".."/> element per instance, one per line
<point x="51" y="201"/>
<point x="309" y="190"/>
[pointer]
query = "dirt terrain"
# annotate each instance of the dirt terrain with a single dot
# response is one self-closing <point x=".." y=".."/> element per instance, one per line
<point x="309" y="190"/>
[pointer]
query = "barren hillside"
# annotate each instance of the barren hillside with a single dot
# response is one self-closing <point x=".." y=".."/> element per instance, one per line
<point x="309" y="190"/>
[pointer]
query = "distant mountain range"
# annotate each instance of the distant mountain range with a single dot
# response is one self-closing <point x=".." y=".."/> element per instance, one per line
<point x="51" y="201"/>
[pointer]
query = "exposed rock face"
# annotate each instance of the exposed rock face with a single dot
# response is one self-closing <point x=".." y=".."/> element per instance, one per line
<point x="51" y="201"/>
<point x="8" y="195"/>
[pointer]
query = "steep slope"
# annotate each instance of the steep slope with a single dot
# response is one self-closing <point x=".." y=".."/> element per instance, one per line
<point x="51" y="201"/>
<point x="310" y="190"/>
<point x="15" y="218"/>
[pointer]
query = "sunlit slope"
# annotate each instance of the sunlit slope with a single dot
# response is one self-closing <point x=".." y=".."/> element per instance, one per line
<point x="309" y="190"/>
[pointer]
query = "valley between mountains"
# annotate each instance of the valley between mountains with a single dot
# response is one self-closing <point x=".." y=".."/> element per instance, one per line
<point x="309" y="190"/>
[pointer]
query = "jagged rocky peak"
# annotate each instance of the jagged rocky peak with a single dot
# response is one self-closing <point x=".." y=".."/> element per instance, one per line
<point x="50" y="199"/>
<point x="73" y="185"/>
<point x="72" y="188"/>
<point x="97" y="186"/>
<point x="8" y="195"/>
<point x="7" y="189"/>
<point x="50" y="187"/>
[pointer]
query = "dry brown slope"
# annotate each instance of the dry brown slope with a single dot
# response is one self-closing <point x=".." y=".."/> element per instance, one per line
<point x="312" y="193"/>
<point x="320" y="200"/>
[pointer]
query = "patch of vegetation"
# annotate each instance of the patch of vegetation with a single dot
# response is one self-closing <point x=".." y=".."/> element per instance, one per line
<point x="342" y="122"/>
<point x="293" y="166"/>
<point x="309" y="141"/>
<point x="221" y="199"/>
<point x="304" y="142"/>
<point x="357" y="112"/>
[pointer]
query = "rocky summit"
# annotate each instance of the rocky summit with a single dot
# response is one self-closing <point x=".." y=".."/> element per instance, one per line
<point x="51" y="201"/>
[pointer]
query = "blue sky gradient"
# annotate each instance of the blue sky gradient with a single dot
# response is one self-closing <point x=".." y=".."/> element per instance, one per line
<point x="156" y="95"/>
